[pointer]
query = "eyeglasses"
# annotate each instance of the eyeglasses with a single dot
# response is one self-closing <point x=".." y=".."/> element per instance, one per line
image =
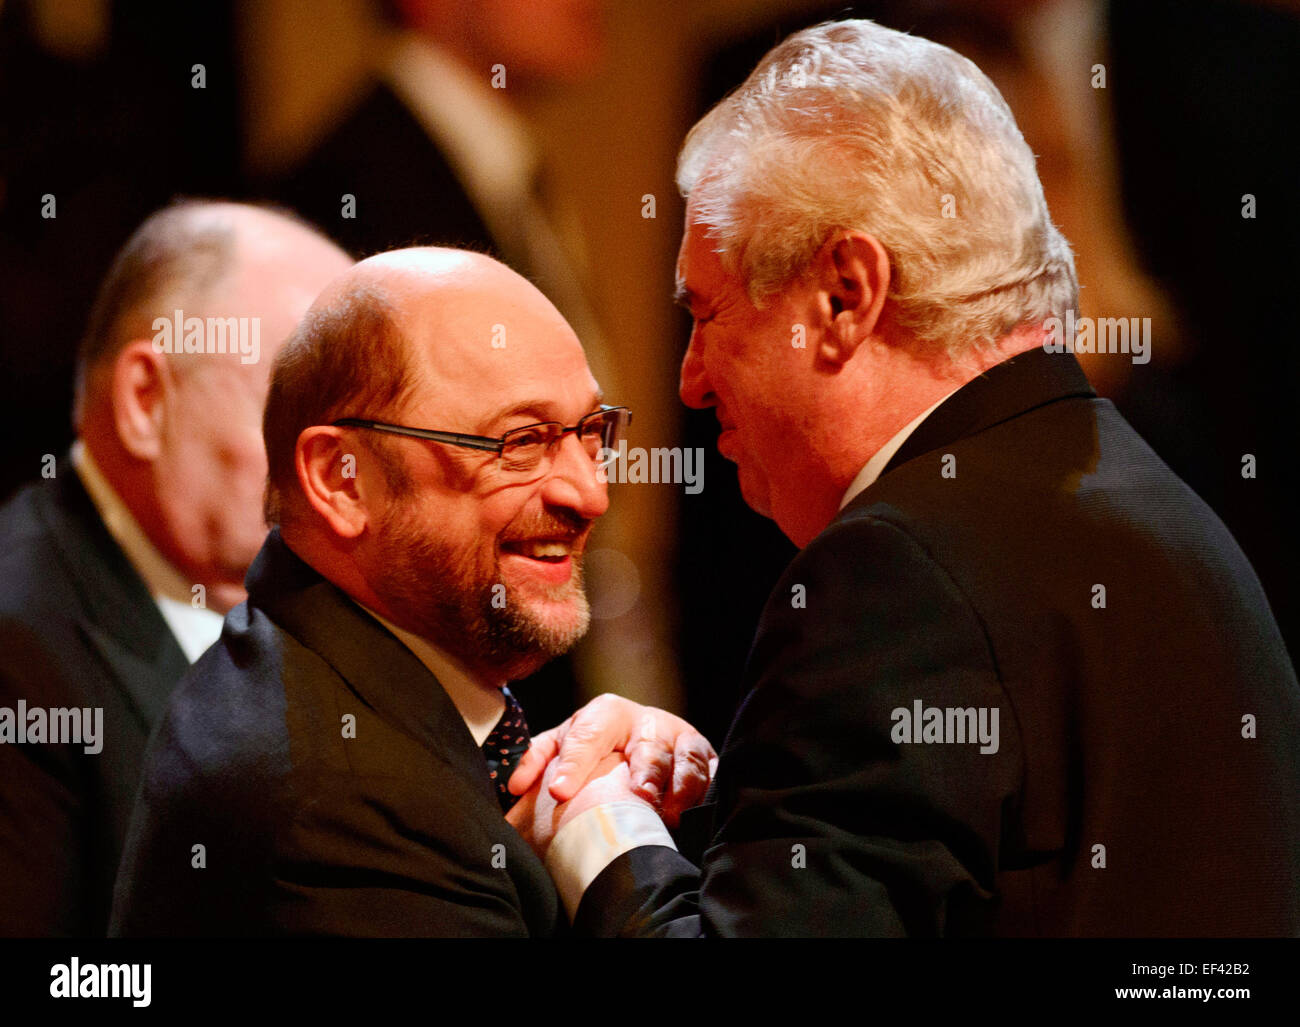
<point x="521" y="449"/>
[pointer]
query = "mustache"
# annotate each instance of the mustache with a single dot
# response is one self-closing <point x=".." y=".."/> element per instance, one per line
<point x="560" y="525"/>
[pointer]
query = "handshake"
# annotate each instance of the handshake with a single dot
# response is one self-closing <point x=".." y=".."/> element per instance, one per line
<point x="611" y="751"/>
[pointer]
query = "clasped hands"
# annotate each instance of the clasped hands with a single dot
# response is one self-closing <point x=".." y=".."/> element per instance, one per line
<point x="611" y="750"/>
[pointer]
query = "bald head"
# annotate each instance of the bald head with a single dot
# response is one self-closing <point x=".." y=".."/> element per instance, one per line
<point x="202" y="257"/>
<point x="173" y="426"/>
<point x="459" y="325"/>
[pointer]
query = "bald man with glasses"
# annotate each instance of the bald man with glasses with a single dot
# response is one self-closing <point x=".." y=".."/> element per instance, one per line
<point x="337" y="763"/>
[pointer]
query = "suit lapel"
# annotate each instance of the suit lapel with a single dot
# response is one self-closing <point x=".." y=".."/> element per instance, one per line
<point x="380" y="670"/>
<point x="1006" y="390"/>
<point x="118" y="616"/>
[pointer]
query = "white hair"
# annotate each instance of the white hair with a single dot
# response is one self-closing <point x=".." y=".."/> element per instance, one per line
<point x="852" y="126"/>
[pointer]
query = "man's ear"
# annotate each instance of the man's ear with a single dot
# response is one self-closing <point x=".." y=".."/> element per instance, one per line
<point x="853" y="276"/>
<point x="332" y="480"/>
<point x="142" y="386"/>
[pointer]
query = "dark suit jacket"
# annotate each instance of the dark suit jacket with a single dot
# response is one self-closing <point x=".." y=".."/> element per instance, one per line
<point x="78" y="628"/>
<point x="1124" y="797"/>
<point x="406" y="191"/>
<point x="334" y="788"/>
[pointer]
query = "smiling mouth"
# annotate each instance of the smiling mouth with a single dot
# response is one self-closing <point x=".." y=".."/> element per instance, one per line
<point x="545" y="550"/>
<point x="550" y="562"/>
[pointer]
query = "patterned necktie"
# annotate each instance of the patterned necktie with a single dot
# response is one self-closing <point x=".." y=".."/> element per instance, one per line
<point x="504" y="747"/>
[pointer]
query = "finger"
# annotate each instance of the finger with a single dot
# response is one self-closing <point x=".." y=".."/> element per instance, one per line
<point x="693" y="760"/>
<point x="650" y="760"/>
<point x="520" y="816"/>
<point x="541" y="750"/>
<point x="693" y="763"/>
<point x="596" y="730"/>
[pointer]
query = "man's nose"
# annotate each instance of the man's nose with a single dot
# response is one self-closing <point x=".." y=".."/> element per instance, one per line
<point x="694" y="388"/>
<point x="574" y="480"/>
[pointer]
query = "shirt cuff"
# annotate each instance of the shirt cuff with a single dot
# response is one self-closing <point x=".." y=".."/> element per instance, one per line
<point x="593" y="839"/>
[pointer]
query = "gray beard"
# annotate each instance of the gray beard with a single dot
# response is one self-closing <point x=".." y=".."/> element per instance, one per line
<point x="424" y="581"/>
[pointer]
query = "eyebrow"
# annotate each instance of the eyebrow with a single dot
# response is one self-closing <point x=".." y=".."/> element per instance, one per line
<point x="683" y="296"/>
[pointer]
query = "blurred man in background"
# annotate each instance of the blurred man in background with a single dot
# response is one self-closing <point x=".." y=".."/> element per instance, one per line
<point x="119" y="566"/>
<point x="437" y="150"/>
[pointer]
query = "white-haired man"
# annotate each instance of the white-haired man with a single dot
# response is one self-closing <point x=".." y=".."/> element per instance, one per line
<point x="1020" y="679"/>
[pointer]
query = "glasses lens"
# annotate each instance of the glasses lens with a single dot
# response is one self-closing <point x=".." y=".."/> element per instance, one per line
<point x="603" y="430"/>
<point x="523" y="450"/>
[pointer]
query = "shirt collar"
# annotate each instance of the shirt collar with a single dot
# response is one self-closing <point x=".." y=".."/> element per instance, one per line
<point x="480" y="704"/>
<point x="485" y="140"/>
<point x="871" y="471"/>
<point x="195" y="627"/>
<point x="161" y="578"/>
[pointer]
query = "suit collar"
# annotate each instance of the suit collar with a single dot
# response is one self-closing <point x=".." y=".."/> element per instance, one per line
<point x="118" y="616"/>
<point x="486" y="139"/>
<point x="158" y="574"/>
<point x="480" y="704"/>
<point x="1006" y="390"/>
<point x="376" y="666"/>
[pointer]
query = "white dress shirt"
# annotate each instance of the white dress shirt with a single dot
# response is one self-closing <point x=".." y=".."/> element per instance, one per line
<point x="871" y="470"/>
<point x="479" y="704"/>
<point x="195" y="627"/>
